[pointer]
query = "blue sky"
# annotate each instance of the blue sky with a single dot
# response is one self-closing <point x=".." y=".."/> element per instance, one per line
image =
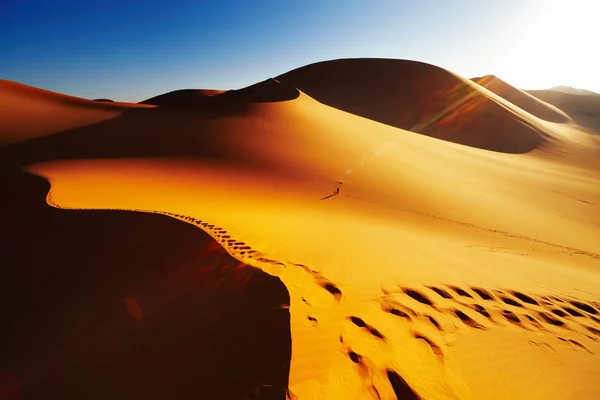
<point x="133" y="50"/>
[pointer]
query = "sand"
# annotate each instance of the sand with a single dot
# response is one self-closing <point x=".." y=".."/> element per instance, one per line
<point x="459" y="259"/>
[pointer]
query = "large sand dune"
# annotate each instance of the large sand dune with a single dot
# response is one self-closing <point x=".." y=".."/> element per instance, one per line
<point x="53" y="112"/>
<point x="522" y="99"/>
<point x="419" y="97"/>
<point x="439" y="270"/>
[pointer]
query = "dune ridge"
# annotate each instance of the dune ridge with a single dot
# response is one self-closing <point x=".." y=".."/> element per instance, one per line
<point x="55" y="112"/>
<point x="522" y="99"/>
<point x="582" y="108"/>
<point x="418" y="97"/>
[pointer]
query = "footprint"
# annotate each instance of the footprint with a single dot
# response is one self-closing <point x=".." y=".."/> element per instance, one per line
<point x="434" y="322"/>
<point x="534" y="322"/>
<point x="484" y="294"/>
<point x="559" y="312"/>
<point x="362" y="324"/>
<point x="437" y="350"/>
<point x="481" y="310"/>
<point x="511" y="302"/>
<point x="550" y="319"/>
<point x="355" y="357"/>
<point x="573" y="312"/>
<point x="593" y="330"/>
<point x="511" y="316"/>
<point x="579" y="345"/>
<point x="467" y="320"/>
<point x="402" y="389"/>
<point x="584" y="307"/>
<point x="418" y="296"/>
<point x="331" y="288"/>
<point x="460" y="292"/>
<point x="441" y="292"/>
<point x="524" y="298"/>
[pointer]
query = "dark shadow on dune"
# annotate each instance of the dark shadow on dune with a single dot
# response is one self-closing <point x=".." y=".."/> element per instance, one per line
<point x="117" y="304"/>
<point x="136" y="133"/>
<point x="268" y="91"/>
<point x="178" y="128"/>
<point x="418" y="97"/>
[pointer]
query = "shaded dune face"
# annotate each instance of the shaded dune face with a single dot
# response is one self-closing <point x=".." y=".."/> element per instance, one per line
<point x="268" y="91"/>
<point x="95" y="304"/>
<point x="521" y="99"/>
<point x="27" y="112"/>
<point x="179" y="126"/>
<point x="417" y="97"/>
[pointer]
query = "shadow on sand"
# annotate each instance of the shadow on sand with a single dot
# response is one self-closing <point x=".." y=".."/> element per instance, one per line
<point x="118" y="304"/>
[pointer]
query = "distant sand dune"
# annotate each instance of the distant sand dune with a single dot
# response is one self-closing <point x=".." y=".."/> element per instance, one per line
<point x="417" y="97"/>
<point x="582" y="108"/>
<point x="52" y="111"/>
<point x="263" y="92"/>
<point x="521" y="99"/>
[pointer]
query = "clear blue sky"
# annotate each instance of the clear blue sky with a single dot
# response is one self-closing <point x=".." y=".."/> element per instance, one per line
<point x="132" y="50"/>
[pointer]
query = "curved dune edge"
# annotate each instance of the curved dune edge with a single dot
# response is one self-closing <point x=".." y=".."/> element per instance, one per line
<point x="522" y="99"/>
<point x="49" y="112"/>
<point x="583" y="109"/>
<point x="422" y="98"/>
<point x="98" y="303"/>
<point x="410" y="330"/>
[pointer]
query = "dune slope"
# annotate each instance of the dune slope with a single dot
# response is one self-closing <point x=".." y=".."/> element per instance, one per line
<point x="521" y="99"/>
<point x="418" y="97"/>
<point x="583" y="109"/>
<point x="54" y="112"/>
<point x="416" y="268"/>
<point x="111" y="304"/>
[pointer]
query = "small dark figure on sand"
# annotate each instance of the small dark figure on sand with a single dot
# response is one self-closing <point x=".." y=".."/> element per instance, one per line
<point x="337" y="190"/>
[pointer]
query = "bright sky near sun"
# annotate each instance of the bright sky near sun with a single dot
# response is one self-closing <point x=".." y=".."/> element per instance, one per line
<point x="133" y="50"/>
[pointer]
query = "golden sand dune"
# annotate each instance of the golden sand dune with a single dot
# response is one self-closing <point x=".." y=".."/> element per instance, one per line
<point x="583" y="108"/>
<point x="416" y="268"/>
<point x="419" y="97"/>
<point x="53" y="112"/>
<point x="522" y="99"/>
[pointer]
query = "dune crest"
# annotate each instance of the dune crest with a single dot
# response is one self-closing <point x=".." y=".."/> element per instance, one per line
<point x="582" y="108"/>
<point x="521" y="99"/>
<point x="54" y="112"/>
<point x="418" y="97"/>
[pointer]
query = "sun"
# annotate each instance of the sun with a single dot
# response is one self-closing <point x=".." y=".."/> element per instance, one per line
<point x="555" y="46"/>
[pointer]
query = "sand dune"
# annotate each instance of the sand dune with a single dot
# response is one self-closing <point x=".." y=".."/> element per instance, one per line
<point x="53" y="112"/>
<point x="572" y="90"/>
<point x="184" y="97"/>
<point x="436" y="271"/>
<point x="418" y="97"/>
<point x="584" y="109"/>
<point x="521" y="99"/>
